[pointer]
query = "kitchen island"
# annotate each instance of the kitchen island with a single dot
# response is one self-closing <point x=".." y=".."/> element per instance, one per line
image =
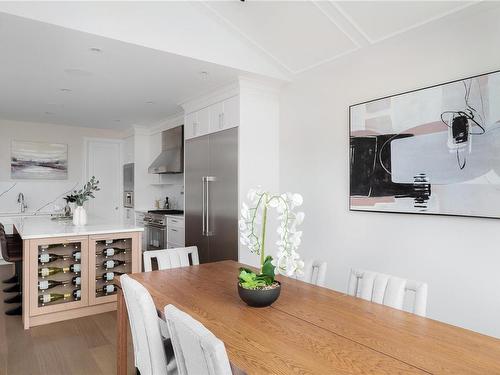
<point x="69" y="271"/>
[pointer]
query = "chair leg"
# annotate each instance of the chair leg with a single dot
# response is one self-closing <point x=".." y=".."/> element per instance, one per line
<point x="16" y="299"/>
<point x="16" y="288"/>
<point x="15" y="311"/>
<point x="11" y="280"/>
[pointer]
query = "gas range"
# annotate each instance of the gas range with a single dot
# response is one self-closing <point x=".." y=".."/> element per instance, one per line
<point x="158" y="217"/>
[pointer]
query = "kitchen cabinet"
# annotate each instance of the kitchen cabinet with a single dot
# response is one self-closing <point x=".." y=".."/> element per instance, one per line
<point x="218" y="116"/>
<point x="63" y="274"/>
<point x="175" y="232"/>
<point x="231" y="116"/>
<point x="197" y="123"/>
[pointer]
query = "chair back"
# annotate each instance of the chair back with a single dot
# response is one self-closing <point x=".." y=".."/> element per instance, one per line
<point x="3" y="242"/>
<point x="196" y="349"/>
<point x="149" y="352"/>
<point x="387" y="290"/>
<point x="171" y="258"/>
<point x="314" y="272"/>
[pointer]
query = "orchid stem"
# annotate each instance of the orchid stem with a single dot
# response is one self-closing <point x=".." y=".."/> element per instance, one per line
<point x="264" y="220"/>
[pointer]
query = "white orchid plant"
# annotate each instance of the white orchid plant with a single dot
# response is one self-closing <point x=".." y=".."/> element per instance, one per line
<point x="252" y="227"/>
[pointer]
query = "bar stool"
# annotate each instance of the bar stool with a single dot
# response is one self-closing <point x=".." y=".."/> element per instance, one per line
<point x="12" y="251"/>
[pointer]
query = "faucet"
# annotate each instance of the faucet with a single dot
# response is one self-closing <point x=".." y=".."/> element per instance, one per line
<point x="20" y="200"/>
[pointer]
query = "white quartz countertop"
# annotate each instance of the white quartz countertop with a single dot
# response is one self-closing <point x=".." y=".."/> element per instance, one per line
<point x="44" y="227"/>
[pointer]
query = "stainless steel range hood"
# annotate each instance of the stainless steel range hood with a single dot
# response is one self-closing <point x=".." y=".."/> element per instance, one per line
<point x="171" y="158"/>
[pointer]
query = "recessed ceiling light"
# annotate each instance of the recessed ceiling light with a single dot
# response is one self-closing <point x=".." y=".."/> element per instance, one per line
<point x="95" y="50"/>
<point x="204" y="75"/>
<point x="150" y="102"/>
<point x="65" y="90"/>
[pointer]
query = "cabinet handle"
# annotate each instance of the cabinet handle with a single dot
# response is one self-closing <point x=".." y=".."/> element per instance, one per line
<point x="173" y="230"/>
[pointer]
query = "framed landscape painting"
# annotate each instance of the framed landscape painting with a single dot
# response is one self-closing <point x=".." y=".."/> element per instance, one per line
<point x="430" y="151"/>
<point x="38" y="160"/>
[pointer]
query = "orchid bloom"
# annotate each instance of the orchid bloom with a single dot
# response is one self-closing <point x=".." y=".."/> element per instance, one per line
<point x="254" y="216"/>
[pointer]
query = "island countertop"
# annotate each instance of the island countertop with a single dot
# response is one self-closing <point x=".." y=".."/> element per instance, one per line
<point x="44" y="227"/>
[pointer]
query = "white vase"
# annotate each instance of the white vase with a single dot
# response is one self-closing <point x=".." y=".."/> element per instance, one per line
<point x="79" y="216"/>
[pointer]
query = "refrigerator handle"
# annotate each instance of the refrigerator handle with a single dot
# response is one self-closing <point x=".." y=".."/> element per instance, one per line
<point x="208" y="232"/>
<point x="203" y="206"/>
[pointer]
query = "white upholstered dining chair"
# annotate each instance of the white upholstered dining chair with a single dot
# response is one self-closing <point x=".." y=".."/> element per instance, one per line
<point x="197" y="350"/>
<point x="168" y="259"/>
<point x="171" y="258"/>
<point x="387" y="290"/>
<point x="153" y="355"/>
<point x="314" y="272"/>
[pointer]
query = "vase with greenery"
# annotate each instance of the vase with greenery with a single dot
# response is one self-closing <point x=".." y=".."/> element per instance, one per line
<point x="259" y="289"/>
<point x="80" y="197"/>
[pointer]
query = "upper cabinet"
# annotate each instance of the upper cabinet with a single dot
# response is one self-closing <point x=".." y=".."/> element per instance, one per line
<point x="216" y="117"/>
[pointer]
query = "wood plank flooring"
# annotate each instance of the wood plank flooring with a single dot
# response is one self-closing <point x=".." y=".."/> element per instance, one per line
<point x="85" y="346"/>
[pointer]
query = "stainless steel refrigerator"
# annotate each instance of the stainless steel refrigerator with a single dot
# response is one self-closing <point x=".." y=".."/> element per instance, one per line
<point x="211" y="195"/>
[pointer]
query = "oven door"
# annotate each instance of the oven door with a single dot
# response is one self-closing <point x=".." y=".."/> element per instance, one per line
<point x="156" y="237"/>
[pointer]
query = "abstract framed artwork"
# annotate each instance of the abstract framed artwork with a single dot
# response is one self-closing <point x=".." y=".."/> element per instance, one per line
<point x="38" y="161"/>
<point x="430" y="151"/>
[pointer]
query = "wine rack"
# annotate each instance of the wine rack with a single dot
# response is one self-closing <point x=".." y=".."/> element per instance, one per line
<point x="59" y="273"/>
<point x="59" y="277"/>
<point x="60" y="284"/>
<point x="113" y="258"/>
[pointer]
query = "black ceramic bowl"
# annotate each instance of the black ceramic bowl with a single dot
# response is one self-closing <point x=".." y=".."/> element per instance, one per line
<point x="259" y="297"/>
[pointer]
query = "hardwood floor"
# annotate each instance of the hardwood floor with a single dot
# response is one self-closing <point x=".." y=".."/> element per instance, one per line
<point x="85" y="346"/>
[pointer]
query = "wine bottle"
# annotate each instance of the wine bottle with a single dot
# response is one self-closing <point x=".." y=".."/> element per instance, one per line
<point x="108" y="276"/>
<point x="77" y="294"/>
<point x="75" y="268"/>
<point x="51" y="297"/>
<point x="49" y="284"/>
<point x="77" y="255"/>
<point x="49" y="257"/>
<point x="112" y="263"/>
<point x="76" y="280"/>
<point x="49" y="271"/>
<point x="110" y="251"/>
<point x="106" y="289"/>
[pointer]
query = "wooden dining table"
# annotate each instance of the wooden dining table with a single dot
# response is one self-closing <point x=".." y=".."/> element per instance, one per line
<point x="312" y="330"/>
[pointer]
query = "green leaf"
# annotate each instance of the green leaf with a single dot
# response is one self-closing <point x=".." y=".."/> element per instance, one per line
<point x="268" y="268"/>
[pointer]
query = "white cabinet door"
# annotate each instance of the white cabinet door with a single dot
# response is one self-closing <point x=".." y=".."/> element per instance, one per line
<point x="231" y="114"/>
<point x="202" y="122"/>
<point x="190" y="125"/>
<point x="216" y="117"/>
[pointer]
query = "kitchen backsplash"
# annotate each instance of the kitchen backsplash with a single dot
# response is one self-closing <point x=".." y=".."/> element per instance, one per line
<point x="40" y="196"/>
<point x="175" y="194"/>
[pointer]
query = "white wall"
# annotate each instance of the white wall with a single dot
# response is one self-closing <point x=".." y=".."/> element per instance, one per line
<point x="258" y="150"/>
<point x="39" y="192"/>
<point x="459" y="257"/>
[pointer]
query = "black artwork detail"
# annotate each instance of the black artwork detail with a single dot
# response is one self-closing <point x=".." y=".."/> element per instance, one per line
<point x="371" y="166"/>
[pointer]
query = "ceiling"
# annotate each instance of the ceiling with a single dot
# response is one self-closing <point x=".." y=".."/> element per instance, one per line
<point x="301" y="35"/>
<point x="51" y="74"/>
